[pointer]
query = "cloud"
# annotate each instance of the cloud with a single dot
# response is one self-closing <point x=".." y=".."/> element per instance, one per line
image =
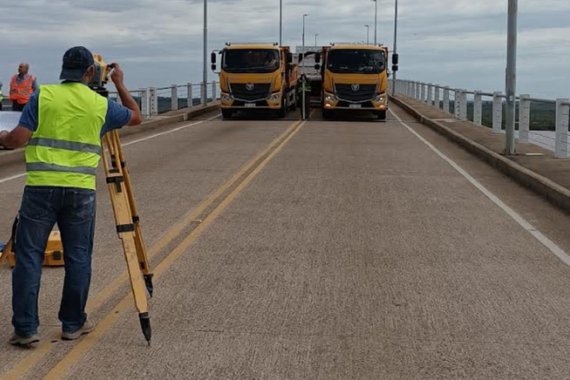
<point x="460" y="43"/>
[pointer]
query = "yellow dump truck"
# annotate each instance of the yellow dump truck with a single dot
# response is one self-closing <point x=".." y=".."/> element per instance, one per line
<point x="256" y="76"/>
<point x="354" y="78"/>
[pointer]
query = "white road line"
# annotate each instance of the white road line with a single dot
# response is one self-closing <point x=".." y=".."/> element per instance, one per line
<point x="553" y="247"/>
<point x="11" y="178"/>
<point x="133" y="142"/>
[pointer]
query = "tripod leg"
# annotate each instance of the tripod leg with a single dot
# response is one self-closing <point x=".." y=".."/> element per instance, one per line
<point x="139" y="241"/>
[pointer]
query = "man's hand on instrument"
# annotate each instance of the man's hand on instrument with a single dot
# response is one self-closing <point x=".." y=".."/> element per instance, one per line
<point x="117" y="76"/>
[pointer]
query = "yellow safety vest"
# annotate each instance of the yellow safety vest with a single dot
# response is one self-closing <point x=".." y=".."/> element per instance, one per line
<point x="65" y="149"/>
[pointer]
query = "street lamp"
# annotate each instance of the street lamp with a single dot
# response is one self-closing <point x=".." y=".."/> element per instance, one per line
<point x="280" y="22"/>
<point x="367" y="34"/>
<point x="376" y="21"/>
<point x="394" y="74"/>
<point x="205" y="73"/>
<point x="511" y="77"/>
<point x="304" y="15"/>
<point x="316" y="35"/>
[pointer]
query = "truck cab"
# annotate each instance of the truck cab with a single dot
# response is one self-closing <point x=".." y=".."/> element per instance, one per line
<point x="355" y="78"/>
<point x="256" y="76"/>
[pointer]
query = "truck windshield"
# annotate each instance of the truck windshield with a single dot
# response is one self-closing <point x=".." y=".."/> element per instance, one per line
<point x="356" y="61"/>
<point x="250" y="60"/>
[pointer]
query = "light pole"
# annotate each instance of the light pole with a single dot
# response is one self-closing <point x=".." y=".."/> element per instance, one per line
<point x="316" y="35"/>
<point x="205" y="73"/>
<point x="511" y="77"/>
<point x="367" y="34"/>
<point x="280" y="22"/>
<point x="376" y="21"/>
<point x="303" y="106"/>
<point x="395" y="46"/>
<point x="304" y="15"/>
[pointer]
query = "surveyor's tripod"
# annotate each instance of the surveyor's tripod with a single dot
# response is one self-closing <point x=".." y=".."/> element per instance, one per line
<point x="128" y="225"/>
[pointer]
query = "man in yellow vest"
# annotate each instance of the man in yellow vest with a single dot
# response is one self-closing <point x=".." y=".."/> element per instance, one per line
<point x="62" y="126"/>
<point x="22" y="86"/>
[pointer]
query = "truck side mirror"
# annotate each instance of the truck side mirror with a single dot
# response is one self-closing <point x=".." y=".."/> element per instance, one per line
<point x="214" y="67"/>
<point x="289" y="58"/>
<point x="318" y="58"/>
<point x="213" y="58"/>
<point x="395" y="58"/>
<point x="317" y="66"/>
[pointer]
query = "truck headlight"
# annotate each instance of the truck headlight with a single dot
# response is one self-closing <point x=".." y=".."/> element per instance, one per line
<point x="226" y="98"/>
<point x="330" y="98"/>
<point x="275" y="98"/>
<point x="380" y="98"/>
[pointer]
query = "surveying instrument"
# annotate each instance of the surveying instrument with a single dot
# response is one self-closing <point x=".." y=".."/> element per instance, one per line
<point x="124" y="207"/>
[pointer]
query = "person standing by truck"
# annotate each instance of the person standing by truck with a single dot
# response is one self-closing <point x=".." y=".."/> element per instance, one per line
<point x="62" y="126"/>
<point x="22" y="86"/>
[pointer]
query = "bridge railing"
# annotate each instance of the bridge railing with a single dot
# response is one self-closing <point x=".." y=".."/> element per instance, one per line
<point x="542" y="122"/>
<point x="154" y="101"/>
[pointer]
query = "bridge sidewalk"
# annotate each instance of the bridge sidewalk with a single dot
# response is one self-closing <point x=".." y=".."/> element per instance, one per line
<point x="532" y="166"/>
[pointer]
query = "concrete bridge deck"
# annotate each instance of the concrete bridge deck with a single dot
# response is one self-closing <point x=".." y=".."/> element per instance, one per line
<point x="316" y="250"/>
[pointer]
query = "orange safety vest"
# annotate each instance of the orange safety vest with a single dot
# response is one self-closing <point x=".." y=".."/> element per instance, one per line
<point x="20" y="92"/>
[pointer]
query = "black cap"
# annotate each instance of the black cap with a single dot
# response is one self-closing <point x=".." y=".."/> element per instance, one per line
<point x="76" y="61"/>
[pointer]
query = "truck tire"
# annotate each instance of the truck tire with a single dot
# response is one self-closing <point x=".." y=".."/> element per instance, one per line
<point x="282" y="112"/>
<point x="227" y="114"/>
<point x="327" y="114"/>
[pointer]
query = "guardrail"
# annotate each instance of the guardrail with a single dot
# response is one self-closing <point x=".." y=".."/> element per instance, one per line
<point x="157" y="100"/>
<point x="154" y="101"/>
<point x="542" y="122"/>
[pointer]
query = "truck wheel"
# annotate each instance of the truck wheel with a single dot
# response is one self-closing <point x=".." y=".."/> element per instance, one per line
<point x="381" y="115"/>
<point x="327" y="114"/>
<point x="227" y="114"/>
<point x="294" y="102"/>
<point x="282" y="112"/>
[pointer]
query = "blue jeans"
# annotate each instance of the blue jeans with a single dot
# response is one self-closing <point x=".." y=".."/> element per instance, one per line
<point x="74" y="212"/>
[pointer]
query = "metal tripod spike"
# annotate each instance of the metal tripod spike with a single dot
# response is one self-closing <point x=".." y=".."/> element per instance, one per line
<point x="128" y="226"/>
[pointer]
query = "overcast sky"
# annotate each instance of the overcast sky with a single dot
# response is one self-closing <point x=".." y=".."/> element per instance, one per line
<point x="460" y="43"/>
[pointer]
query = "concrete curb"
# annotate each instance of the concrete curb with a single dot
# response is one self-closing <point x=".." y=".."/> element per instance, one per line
<point x="553" y="192"/>
<point x="17" y="155"/>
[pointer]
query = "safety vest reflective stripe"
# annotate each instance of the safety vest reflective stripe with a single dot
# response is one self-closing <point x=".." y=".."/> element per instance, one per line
<point x="67" y="145"/>
<point x="44" y="167"/>
<point x="21" y="91"/>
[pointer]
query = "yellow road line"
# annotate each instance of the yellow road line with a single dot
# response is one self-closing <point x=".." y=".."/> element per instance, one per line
<point x="27" y="363"/>
<point x="81" y="349"/>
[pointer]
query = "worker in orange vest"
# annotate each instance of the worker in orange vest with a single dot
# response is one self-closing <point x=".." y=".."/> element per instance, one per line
<point x="22" y="86"/>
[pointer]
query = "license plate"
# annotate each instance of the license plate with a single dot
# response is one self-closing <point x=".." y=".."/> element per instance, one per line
<point x="249" y="105"/>
<point x="355" y="106"/>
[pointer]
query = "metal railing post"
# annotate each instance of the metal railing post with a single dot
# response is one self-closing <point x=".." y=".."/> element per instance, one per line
<point x="463" y="110"/>
<point x="214" y="96"/>
<point x="190" y="99"/>
<point x="524" y="118"/>
<point x="423" y="92"/>
<point x="153" y="101"/>
<point x="478" y="108"/>
<point x="446" y="99"/>
<point x="430" y="94"/>
<point x="417" y="90"/>
<point x="204" y="92"/>
<point x="497" y="112"/>
<point x="457" y="104"/>
<point x="173" y="98"/>
<point x="145" y="103"/>
<point x="562" y="113"/>
<point x="436" y="97"/>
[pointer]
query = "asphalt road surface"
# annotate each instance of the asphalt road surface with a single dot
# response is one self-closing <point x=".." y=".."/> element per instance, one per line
<point x="348" y="249"/>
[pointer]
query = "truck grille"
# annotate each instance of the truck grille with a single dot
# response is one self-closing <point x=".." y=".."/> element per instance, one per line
<point x="250" y="92"/>
<point x="363" y="93"/>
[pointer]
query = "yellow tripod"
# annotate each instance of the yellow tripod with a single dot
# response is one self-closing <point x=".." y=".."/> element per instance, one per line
<point x="128" y="225"/>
